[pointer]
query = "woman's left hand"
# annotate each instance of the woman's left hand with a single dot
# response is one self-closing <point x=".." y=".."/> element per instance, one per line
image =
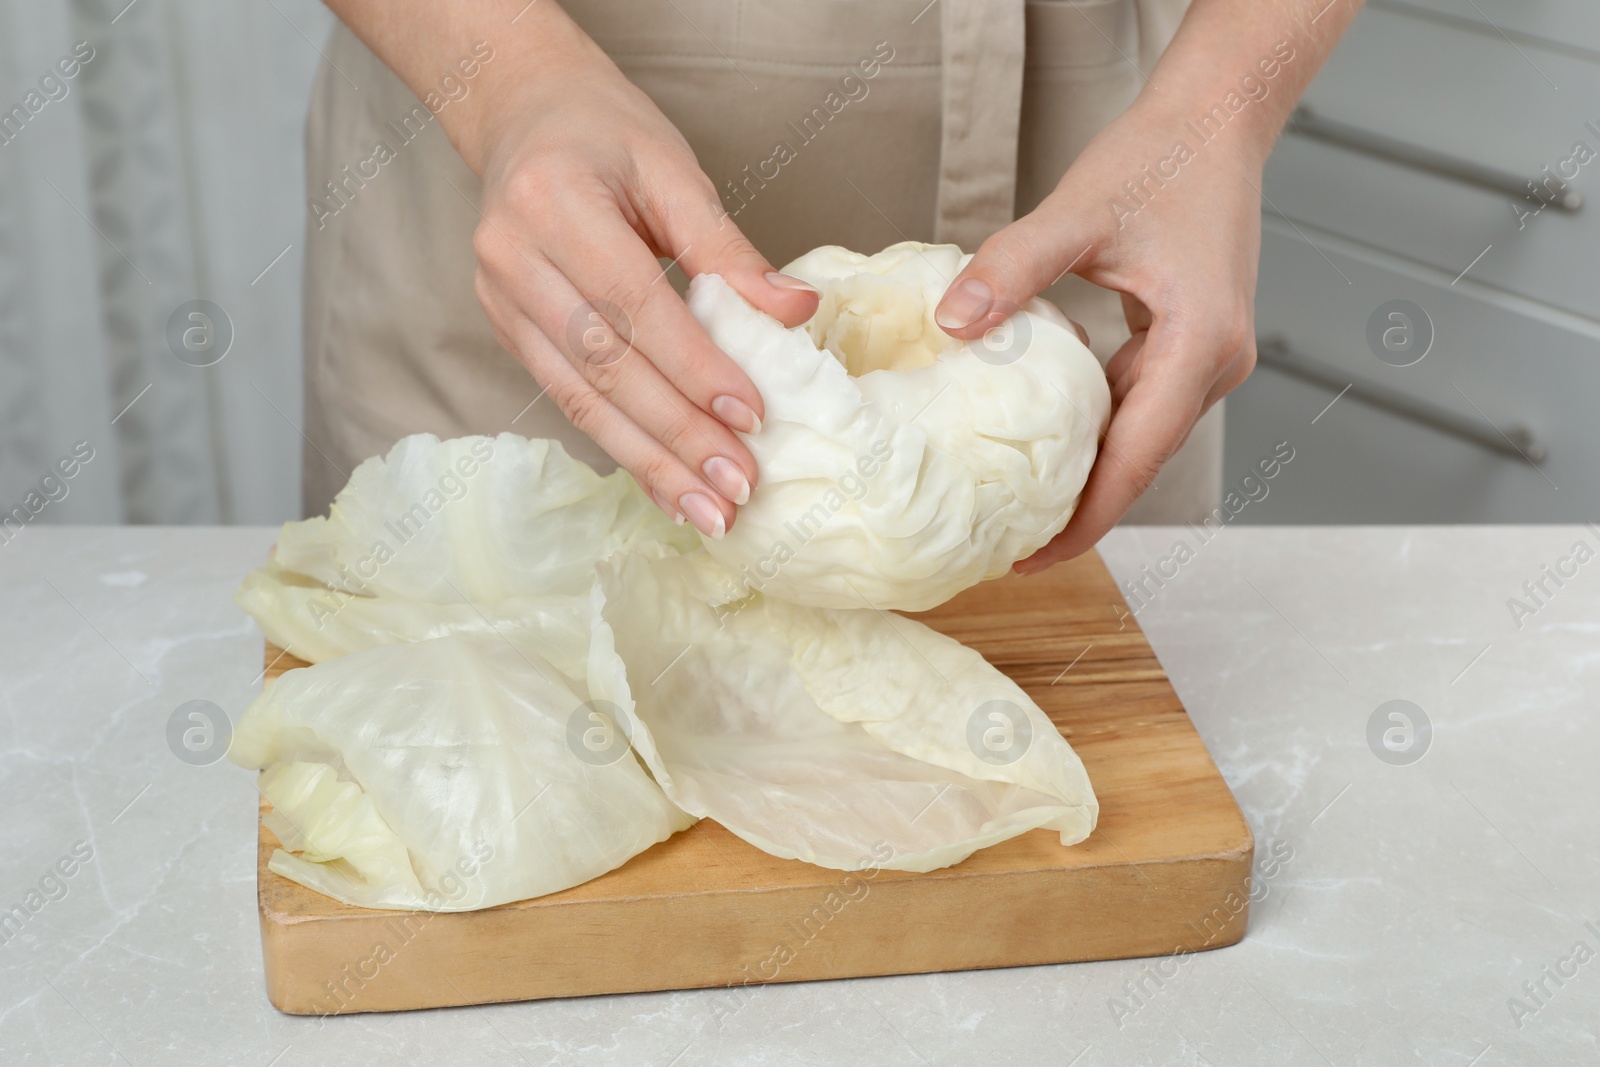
<point x="1176" y="231"/>
<point x="1183" y="256"/>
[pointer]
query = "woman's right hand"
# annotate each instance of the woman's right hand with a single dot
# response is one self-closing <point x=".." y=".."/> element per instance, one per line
<point x="585" y="184"/>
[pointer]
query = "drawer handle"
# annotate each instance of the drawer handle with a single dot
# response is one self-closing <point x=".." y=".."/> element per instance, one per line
<point x="1517" y="442"/>
<point x="1308" y="123"/>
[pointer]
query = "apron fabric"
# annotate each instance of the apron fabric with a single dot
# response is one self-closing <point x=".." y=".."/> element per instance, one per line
<point x="975" y="109"/>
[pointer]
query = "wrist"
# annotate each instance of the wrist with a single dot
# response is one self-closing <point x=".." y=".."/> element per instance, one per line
<point x="1218" y="121"/>
<point x="530" y="77"/>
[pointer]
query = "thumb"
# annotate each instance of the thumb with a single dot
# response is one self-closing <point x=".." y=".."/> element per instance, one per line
<point x="712" y="244"/>
<point x="1010" y="268"/>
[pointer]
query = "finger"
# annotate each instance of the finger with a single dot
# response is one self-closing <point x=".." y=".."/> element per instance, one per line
<point x="674" y="486"/>
<point x="610" y="263"/>
<point x="1122" y="369"/>
<point x="1010" y="268"/>
<point x="1150" y="425"/>
<point x="1136" y="375"/>
<point x="629" y="379"/>
<point x="1233" y="352"/>
<point x="1234" y="374"/>
<point x="710" y="243"/>
<point x="601" y="339"/>
<point x="1137" y="313"/>
<point x="1125" y="368"/>
<point x="611" y="266"/>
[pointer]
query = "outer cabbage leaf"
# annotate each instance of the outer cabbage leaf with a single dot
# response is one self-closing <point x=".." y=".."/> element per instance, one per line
<point x="443" y="775"/>
<point x="841" y="738"/>
<point x="471" y="535"/>
<point x="472" y="519"/>
<point x="899" y="466"/>
<point x="316" y="623"/>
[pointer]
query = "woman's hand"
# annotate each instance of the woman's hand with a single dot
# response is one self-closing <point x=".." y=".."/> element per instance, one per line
<point x="1178" y="234"/>
<point x="585" y="184"/>
<point x="1185" y="264"/>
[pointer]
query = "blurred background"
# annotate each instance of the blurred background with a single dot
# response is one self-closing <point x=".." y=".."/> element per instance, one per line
<point x="1428" y="313"/>
<point x="1428" y="252"/>
<point x="167" y="169"/>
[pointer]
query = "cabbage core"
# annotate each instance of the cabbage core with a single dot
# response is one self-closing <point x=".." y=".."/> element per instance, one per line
<point x="874" y="323"/>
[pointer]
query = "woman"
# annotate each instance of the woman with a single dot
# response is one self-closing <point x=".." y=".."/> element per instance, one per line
<point x="558" y="151"/>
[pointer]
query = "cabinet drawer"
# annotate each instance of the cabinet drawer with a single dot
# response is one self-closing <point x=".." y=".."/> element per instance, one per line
<point x="1361" y="464"/>
<point x="1469" y="96"/>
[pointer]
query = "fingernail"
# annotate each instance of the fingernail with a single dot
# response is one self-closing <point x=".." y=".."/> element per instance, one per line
<point x="1030" y="566"/>
<point x="727" y="479"/>
<point x="964" y="305"/>
<point x="785" y="281"/>
<point x="705" y="515"/>
<point x="736" y="414"/>
<point x="668" y="509"/>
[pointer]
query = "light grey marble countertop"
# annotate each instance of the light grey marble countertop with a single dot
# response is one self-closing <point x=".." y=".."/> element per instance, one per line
<point x="1414" y="903"/>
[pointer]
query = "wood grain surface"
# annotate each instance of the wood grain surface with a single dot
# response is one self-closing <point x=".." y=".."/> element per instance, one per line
<point x="1167" y="870"/>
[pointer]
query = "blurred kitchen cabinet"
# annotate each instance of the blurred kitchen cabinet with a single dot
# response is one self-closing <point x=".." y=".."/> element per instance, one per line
<point x="1559" y="24"/>
<point x="1437" y="172"/>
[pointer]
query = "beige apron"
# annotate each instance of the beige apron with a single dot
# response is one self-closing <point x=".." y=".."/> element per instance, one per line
<point x="971" y="119"/>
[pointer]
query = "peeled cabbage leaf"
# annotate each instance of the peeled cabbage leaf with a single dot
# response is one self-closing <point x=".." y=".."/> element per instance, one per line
<point x="900" y="466"/>
<point x="316" y="623"/>
<point x="471" y="535"/>
<point x="844" y="738"/>
<point x="472" y="519"/>
<point x="444" y="775"/>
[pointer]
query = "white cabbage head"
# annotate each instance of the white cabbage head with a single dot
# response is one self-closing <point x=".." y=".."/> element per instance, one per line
<point x="898" y="465"/>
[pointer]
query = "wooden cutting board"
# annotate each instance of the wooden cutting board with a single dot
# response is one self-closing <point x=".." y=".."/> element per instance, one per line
<point x="1166" y="871"/>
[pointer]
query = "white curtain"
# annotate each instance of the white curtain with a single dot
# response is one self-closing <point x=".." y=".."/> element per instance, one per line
<point x="167" y="168"/>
